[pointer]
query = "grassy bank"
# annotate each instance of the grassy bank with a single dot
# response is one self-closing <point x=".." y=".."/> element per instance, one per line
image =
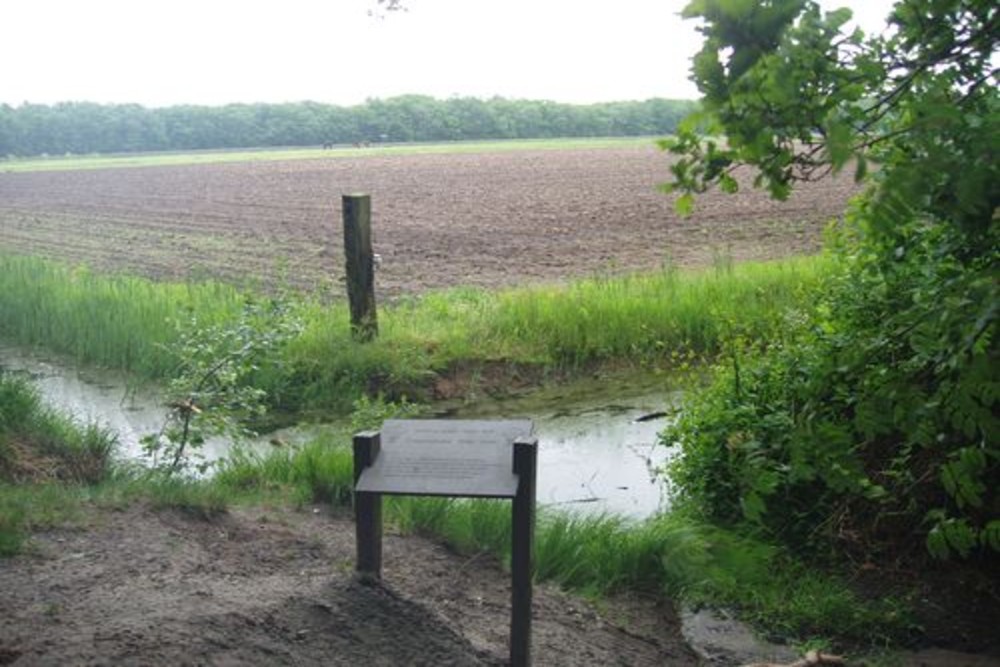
<point x="40" y="452"/>
<point x="54" y="468"/>
<point x="664" y="318"/>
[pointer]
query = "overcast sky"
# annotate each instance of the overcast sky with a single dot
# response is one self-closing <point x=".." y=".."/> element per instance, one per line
<point x="164" y="52"/>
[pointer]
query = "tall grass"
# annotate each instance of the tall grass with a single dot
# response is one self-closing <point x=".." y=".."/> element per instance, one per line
<point x="652" y="315"/>
<point x="315" y="472"/>
<point x="668" y="554"/>
<point x="110" y="320"/>
<point x="661" y="317"/>
<point x="127" y="322"/>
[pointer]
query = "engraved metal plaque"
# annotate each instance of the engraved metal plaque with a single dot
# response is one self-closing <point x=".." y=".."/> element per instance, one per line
<point x="446" y="457"/>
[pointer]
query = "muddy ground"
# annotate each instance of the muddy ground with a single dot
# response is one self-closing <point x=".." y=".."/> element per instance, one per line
<point x="486" y="219"/>
<point x="267" y="586"/>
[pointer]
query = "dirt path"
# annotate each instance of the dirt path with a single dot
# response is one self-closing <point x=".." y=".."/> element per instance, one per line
<point x="267" y="586"/>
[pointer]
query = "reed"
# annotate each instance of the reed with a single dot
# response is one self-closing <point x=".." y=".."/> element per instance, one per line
<point x="655" y="315"/>
<point x="115" y="321"/>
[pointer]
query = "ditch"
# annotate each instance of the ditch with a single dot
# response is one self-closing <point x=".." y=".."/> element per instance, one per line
<point x="598" y="450"/>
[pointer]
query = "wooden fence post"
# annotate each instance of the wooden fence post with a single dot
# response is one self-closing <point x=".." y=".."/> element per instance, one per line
<point x="360" y="265"/>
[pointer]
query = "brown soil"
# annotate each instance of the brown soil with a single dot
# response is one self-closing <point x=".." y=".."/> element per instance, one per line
<point x="955" y="604"/>
<point x="486" y="219"/>
<point x="268" y="586"/>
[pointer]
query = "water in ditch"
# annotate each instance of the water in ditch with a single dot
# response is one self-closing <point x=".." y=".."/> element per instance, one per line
<point x="598" y="449"/>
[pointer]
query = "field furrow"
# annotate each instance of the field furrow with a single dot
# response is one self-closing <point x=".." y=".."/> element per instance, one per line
<point x="487" y="219"/>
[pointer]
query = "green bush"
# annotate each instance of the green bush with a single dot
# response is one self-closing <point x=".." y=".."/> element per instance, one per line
<point x="873" y="425"/>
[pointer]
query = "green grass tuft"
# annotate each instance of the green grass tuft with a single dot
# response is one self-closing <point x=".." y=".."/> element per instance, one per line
<point x="24" y="508"/>
<point x="316" y="472"/>
<point x="470" y="526"/>
<point x="41" y="445"/>
<point x="193" y="497"/>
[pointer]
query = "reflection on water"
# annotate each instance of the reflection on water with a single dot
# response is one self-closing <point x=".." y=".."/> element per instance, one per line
<point x="593" y="454"/>
<point x="606" y="460"/>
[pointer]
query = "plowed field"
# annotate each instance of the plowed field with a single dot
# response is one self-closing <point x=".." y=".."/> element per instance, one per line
<point x="485" y="219"/>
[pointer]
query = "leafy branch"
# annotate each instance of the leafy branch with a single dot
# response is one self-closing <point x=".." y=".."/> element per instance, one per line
<point x="213" y="392"/>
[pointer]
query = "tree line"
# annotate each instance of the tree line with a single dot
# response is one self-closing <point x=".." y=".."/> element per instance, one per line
<point x="84" y="127"/>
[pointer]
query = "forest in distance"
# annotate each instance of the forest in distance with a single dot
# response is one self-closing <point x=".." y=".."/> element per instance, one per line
<point x="86" y="127"/>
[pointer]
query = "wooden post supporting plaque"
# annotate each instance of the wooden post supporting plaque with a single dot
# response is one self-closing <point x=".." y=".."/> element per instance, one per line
<point x="360" y="268"/>
<point x="522" y="544"/>
<point x="367" y="510"/>
<point x="476" y="459"/>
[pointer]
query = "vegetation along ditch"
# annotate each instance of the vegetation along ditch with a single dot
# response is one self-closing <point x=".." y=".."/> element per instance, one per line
<point x="447" y="349"/>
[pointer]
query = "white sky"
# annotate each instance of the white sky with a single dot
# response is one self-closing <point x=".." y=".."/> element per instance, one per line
<point x="164" y="52"/>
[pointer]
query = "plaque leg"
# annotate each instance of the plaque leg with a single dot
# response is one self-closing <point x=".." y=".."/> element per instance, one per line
<point x="522" y="543"/>
<point x="367" y="510"/>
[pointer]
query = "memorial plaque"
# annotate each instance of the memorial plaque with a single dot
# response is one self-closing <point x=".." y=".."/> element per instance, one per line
<point x="445" y="458"/>
<point x="490" y="459"/>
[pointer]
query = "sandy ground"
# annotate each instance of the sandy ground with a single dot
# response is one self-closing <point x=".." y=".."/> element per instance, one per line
<point x="267" y="586"/>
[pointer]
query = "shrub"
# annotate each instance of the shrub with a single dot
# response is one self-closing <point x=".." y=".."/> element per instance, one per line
<point x="874" y="424"/>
